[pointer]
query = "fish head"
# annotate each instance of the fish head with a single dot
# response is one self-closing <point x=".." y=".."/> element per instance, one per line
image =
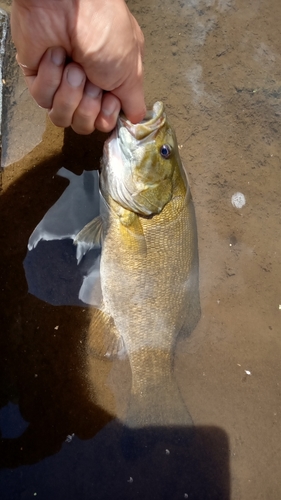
<point x="139" y="163"/>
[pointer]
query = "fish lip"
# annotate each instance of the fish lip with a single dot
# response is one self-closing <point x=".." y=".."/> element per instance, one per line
<point x="149" y="126"/>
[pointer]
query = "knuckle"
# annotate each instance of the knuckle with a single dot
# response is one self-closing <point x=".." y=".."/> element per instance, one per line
<point x="83" y="129"/>
<point x="44" y="96"/>
<point x="43" y="101"/>
<point x="63" y="108"/>
<point x="83" y="123"/>
<point x="59" y="120"/>
<point x="84" y="115"/>
<point x="105" y="125"/>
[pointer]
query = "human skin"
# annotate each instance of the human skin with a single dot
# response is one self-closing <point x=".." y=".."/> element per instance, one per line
<point x="82" y="60"/>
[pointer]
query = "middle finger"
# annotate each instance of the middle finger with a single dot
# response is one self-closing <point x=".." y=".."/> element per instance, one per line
<point x="83" y="121"/>
<point x="68" y="95"/>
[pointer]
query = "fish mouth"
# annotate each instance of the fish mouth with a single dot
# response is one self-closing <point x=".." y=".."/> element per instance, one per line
<point x="129" y="146"/>
<point x="153" y="120"/>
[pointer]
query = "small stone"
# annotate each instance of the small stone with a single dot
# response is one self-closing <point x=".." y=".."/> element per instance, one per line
<point x="238" y="200"/>
<point x="69" y="438"/>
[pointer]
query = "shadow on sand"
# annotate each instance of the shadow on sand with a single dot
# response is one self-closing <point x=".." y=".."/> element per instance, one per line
<point x="70" y="447"/>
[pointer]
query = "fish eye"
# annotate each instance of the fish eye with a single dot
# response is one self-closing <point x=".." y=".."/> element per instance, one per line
<point x="165" y="150"/>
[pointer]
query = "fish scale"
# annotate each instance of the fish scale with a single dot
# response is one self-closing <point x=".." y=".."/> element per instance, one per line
<point x="150" y="306"/>
<point x="149" y="268"/>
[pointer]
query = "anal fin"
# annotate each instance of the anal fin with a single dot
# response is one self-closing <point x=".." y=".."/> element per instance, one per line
<point x="104" y="340"/>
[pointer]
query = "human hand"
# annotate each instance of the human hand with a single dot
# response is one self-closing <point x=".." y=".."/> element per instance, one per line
<point x="105" y="45"/>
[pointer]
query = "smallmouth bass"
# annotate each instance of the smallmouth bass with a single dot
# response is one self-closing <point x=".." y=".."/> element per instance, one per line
<point x="149" y="271"/>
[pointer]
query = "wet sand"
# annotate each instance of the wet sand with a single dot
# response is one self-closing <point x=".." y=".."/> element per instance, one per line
<point x="216" y="66"/>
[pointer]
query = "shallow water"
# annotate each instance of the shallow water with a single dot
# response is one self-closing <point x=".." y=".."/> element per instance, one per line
<point x="216" y="66"/>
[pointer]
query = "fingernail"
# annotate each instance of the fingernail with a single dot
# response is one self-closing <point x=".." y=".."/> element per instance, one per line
<point x="109" y="108"/>
<point x="75" y="77"/>
<point x="92" y="90"/>
<point x="58" y="56"/>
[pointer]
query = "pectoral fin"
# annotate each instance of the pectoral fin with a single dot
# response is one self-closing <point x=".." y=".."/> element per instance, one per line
<point x="89" y="237"/>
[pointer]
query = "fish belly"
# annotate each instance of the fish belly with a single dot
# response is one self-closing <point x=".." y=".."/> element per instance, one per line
<point x="150" y="287"/>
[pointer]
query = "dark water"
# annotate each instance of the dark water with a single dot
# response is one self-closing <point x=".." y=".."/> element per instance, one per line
<point x="216" y="65"/>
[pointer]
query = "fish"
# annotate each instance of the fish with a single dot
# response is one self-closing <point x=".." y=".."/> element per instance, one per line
<point x="149" y="266"/>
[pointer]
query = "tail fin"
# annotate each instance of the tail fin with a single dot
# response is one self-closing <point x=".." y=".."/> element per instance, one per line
<point x="155" y="396"/>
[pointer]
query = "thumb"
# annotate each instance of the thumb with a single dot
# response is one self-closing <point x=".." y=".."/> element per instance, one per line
<point x="132" y="101"/>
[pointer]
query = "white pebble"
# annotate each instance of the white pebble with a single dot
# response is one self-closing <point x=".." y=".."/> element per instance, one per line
<point x="69" y="438"/>
<point x="238" y="200"/>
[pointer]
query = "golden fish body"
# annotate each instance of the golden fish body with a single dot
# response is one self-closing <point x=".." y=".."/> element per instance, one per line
<point x="149" y="266"/>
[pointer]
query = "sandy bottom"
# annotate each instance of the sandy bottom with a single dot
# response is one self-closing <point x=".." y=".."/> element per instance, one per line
<point x="216" y="65"/>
